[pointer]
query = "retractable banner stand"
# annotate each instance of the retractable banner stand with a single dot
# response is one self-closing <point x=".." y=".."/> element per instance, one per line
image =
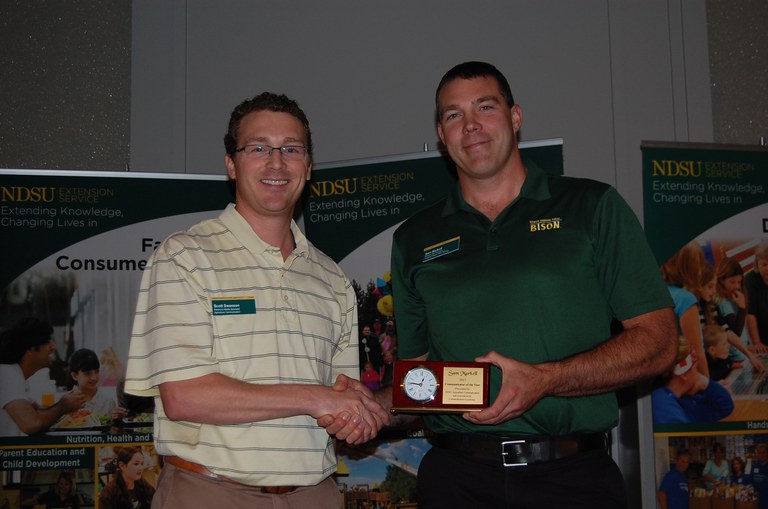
<point x="706" y="213"/>
<point x="351" y="210"/>
<point x="74" y="245"/>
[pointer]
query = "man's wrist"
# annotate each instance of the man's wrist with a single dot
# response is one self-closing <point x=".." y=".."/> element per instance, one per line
<point x="384" y="397"/>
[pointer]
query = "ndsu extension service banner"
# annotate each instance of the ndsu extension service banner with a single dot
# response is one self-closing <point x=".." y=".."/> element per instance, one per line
<point x="74" y="245"/>
<point x="689" y="188"/>
<point x="709" y="203"/>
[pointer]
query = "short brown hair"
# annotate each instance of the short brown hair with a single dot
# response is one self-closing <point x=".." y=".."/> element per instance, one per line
<point x="266" y="101"/>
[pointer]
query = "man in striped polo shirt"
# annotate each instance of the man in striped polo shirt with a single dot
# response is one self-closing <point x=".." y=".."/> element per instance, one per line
<point x="242" y="329"/>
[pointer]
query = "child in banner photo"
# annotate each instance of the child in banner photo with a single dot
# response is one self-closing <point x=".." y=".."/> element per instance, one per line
<point x="127" y="489"/>
<point x="731" y="298"/>
<point x="100" y="408"/>
<point x="681" y="273"/>
<point x="731" y="301"/>
<point x="687" y="395"/>
<point x="716" y="348"/>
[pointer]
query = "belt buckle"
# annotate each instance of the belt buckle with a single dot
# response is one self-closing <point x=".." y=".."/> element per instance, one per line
<point x="504" y="453"/>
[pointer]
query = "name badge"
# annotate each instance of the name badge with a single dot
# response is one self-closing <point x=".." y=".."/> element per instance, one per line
<point x="441" y="249"/>
<point x="233" y="306"/>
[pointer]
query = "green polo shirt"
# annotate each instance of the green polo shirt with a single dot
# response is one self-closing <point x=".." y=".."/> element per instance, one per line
<point x="541" y="282"/>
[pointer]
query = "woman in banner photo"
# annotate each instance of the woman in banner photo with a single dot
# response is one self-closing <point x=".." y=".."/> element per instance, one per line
<point x="716" y="470"/>
<point x="127" y="489"/>
<point x="63" y="495"/>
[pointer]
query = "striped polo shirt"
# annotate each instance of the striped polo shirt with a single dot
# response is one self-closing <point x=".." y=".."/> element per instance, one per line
<point x="218" y="299"/>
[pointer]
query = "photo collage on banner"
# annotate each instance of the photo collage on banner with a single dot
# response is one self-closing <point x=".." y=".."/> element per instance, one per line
<point x="706" y="218"/>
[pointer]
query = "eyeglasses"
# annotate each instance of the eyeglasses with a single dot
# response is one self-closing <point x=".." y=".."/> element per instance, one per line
<point x="261" y="151"/>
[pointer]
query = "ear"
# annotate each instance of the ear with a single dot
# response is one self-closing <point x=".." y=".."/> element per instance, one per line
<point x="517" y="117"/>
<point x="230" y="164"/>
<point x="309" y="171"/>
<point x="440" y="133"/>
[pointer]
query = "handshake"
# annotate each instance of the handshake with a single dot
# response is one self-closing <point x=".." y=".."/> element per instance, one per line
<point x="353" y="413"/>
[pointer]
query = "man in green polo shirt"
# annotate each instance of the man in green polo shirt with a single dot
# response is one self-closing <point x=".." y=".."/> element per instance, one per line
<point x="526" y="271"/>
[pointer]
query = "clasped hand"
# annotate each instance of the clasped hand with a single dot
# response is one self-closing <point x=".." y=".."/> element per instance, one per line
<point x="359" y="417"/>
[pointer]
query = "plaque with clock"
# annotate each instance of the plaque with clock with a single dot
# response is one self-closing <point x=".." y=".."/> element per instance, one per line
<point x="439" y="386"/>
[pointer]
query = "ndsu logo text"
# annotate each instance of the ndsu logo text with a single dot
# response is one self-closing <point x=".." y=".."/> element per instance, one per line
<point x="668" y="168"/>
<point x="334" y="187"/>
<point x="27" y="194"/>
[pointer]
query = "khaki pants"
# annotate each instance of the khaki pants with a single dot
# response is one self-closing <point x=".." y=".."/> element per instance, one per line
<point x="180" y="489"/>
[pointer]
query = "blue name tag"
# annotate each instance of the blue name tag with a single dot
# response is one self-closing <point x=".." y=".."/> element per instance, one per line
<point x="236" y="306"/>
<point x="441" y="249"/>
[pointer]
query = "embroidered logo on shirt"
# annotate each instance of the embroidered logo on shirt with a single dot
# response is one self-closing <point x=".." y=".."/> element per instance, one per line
<point x="233" y="306"/>
<point x="540" y="225"/>
<point x="442" y="248"/>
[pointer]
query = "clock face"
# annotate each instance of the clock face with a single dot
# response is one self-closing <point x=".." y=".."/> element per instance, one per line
<point x="420" y="384"/>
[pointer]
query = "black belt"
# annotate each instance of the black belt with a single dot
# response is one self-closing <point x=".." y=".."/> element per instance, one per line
<point x="519" y="452"/>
